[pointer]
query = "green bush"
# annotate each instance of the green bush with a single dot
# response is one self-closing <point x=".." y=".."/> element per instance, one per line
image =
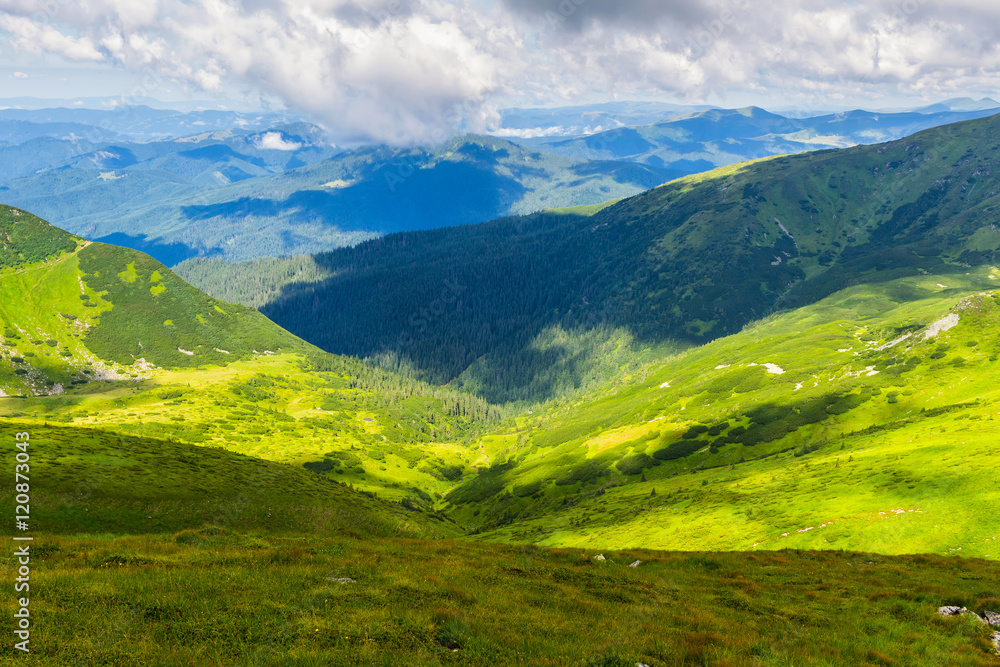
<point x="718" y="428"/>
<point x="529" y="489"/>
<point x="694" y="431"/>
<point x="846" y="403"/>
<point x="678" y="450"/>
<point x="635" y="464"/>
<point x="588" y="470"/>
<point x="320" y="466"/>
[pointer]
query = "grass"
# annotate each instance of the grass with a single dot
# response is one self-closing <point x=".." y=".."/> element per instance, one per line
<point x="850" y="447"/>
<point x="218" y="597"/>
<point x="89" y="480"/>
<point x="114" y="341"/>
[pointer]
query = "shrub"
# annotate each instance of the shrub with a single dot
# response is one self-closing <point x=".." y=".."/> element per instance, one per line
<point x="694" y="431"/>
<point x="449" y="473"/>
<point x="846" y="403"/>
<point x="678" y="450"/>
<point x="529" y="489"/>
<point x="320" y="466"/>
<point x="588" y="470"/>
<point x="635" y="464"/>
<point x="718" y="428"/>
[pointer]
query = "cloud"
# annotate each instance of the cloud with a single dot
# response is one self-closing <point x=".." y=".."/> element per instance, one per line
<point x="19" y="75"/>
<point x="407" y="71"/>
<point x="275" y="142"/>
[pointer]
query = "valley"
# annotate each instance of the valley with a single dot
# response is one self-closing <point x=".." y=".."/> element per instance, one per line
<point x="734" y="379"/>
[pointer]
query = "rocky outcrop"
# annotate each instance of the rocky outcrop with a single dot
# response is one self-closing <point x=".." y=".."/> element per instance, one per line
<point x="990" y="618"/>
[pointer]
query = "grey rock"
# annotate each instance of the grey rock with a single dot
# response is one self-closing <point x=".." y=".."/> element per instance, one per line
<point x="950" y="611"/>
<point x="341" y="580"/>
<point x="992" y="618"/>
<point x="599" y="557"/>
<point x="635" y="564"/>
<point x="996" y="642"/>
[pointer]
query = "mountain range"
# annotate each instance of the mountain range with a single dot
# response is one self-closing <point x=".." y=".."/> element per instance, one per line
<point x="703" y="140"/>
<point x="266" y="185"/>
<point x="442" y="445"/>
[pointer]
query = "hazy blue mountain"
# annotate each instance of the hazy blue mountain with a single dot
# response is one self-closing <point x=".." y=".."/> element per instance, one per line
<point x="960" y="104"/>
<point x="139" y="122"/>
<point x="719" y="137"/>
<point x="586" y="119"/>
<point x="160" y="201"/>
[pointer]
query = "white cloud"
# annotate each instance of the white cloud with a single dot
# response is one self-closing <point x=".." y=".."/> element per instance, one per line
<point x="275" y="142"/>
<point x="416" y="70"/>
<point x="19" y="75"/>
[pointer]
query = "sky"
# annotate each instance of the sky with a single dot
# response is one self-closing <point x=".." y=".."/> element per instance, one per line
<point x="414" y="71"/>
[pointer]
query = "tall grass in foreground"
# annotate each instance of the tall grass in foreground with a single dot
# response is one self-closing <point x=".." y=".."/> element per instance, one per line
<point x="213" y="597"/>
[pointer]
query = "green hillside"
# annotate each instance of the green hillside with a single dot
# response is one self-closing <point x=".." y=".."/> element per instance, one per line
<point x="679" y="265"/>
<point x="864" y="422"/>
<point x="94" y="481"/>
<point x="113" y="342"/>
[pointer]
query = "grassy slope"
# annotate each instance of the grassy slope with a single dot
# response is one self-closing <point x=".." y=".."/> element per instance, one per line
<point x="850" y="448"/>
<point x="90" y="480"/>
<point x="104" y="341"/>
<point x="222" y="598"/>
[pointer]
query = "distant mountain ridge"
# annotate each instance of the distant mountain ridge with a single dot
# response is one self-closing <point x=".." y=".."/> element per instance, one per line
<point x="227" y="194"/>
<point x="712" y="138"/>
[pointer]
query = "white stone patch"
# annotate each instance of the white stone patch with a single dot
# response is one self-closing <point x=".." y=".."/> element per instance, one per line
<point x="846" y="349"/>
<point x="110" y="176"/>
<point x="774" y="369"/>
<point x="944" y="324"/>
<point x="798" y="385"/>
<point x="893" y="343"/>
<point x="665" y="385"/>
<point x="187" y="352"/>
<point x="221" y="351"/>
<point x="721" y="366"/>
<point x="942" y="286"/>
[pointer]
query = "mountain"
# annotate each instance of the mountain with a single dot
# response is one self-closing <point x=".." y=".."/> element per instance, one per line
<point x="529" y="123"/>
<point x="212" y="195"/>
<point x="118" y="352"/>
<point x="792" y="353"/>
<point x="141" y="122"/>
<point x="960" y="104"/>
<point x="223" y="491"/>
<point x="717" y="137"/>
<point x="858" y="422"/>
<point x="530" y="308"/>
